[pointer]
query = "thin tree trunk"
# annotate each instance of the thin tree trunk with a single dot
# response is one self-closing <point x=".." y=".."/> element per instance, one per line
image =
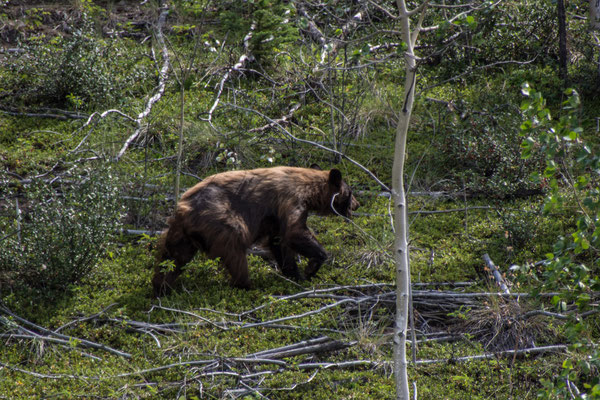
<point x="562" y="41"/>
<point x="400" y="213"/>
<point x="399" y="198"/>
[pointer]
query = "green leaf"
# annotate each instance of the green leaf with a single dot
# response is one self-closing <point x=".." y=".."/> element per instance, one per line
<point x="571" y="135"/>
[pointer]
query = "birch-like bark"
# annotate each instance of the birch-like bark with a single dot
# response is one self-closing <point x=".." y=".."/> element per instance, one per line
<point x="400" y="207"/>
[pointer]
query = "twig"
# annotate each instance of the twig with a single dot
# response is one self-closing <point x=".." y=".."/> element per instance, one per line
<point x="298" y="316"/>
<point x="236" y="67"/>
<point x="315" y="144"/>
<point x="159" y="307"/>
<point x="278" y="121"/>
<point x="83" y="319"/>
<point x="344" y="364"/>
<point x="38" y="375"/>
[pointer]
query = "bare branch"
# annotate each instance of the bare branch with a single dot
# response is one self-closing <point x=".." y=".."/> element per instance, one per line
<point x="496" y="273"/>
<point x="71" y="339"/>
<point x="315" y="144"/>
<point x="236" y="68"/>
<point x="163" y="75"/>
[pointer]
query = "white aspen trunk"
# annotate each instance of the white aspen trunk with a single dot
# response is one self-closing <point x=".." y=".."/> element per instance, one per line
<point x="595" y="15"/>
<point x="400" y="212"/>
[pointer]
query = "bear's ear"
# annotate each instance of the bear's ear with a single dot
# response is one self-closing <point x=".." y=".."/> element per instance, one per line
<point x="316" y="166"/>
<point x="335" y="177"/>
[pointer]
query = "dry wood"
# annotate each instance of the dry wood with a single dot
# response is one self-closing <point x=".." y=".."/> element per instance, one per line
<point x="244" y="58"/>
<point x="80" y="342"/>
<point x="561" y="348"/>
<point x="496" y="274"/>
<point x="163" y="75"/>
<point x="312" y="346"/>
<point x="44" y="113"/>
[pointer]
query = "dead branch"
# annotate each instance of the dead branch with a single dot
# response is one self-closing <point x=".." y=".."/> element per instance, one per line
<point x="163" y="75"/>
<point x="344" y="364"/>
<point x="496" y="274"/>
<point x="38" y="375"/>
<point x="298" y="316"/>
<point x="561" y="348"/>
<point x="159" y="307"/>
<point x="279" y="121"/>
<point x="312" y="346"/>
<point x="44" y="113"/>
<point x="80" y="342"/>
<point x="303" y="343"/>
<point x="236" y="68"/>
<point x="83" y="319"/>
<point x="330" y="47"/>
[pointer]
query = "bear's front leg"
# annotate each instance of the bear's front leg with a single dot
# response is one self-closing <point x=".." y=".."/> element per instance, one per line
<point x="286" y="259"/>
<point x="305" y="244"/>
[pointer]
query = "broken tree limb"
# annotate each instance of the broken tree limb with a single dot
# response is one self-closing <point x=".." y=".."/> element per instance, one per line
<point x="41" y="331"/>
<point x="496" y="273"/>
<point x="329" y="48"/>
<point x="54" y="113"/>
<point x="162" y="82"/>
<point x="561" y="348"/>
<point x="312" y="346"/>
<point x="279" y="121"/>
<point x="83" y="319"/>
<point x="236" y="67"/>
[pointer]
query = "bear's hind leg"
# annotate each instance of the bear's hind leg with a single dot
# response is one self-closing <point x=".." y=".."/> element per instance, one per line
<point x="233" y="258"/>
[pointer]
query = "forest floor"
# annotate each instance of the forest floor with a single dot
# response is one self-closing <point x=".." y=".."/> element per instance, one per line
<point x="106" y="336"/>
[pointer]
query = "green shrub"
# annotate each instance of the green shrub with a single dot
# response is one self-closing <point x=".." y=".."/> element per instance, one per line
<point x="64" y="229"/>
<point x="75" y="72"/>
<point x="571" y="270"/>
<point x="482" y="150"/>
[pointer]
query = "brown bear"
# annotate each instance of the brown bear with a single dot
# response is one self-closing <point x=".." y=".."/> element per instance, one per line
<point x="226" y="213"/>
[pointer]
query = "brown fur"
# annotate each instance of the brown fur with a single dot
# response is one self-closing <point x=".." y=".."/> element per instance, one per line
<point x="228" y="212"/>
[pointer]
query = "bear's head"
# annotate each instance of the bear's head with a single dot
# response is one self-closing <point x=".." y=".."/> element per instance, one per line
<point x="342" y="200"/>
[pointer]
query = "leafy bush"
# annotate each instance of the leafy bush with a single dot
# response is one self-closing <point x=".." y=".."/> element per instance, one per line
<point x="572" y="268"/>
<point x="78" y="71"/>
<point x="482" y="149"/>
<point x="64" y="230"/>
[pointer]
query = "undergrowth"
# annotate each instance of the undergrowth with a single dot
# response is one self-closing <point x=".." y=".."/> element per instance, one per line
<point x="469" y="195"/>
